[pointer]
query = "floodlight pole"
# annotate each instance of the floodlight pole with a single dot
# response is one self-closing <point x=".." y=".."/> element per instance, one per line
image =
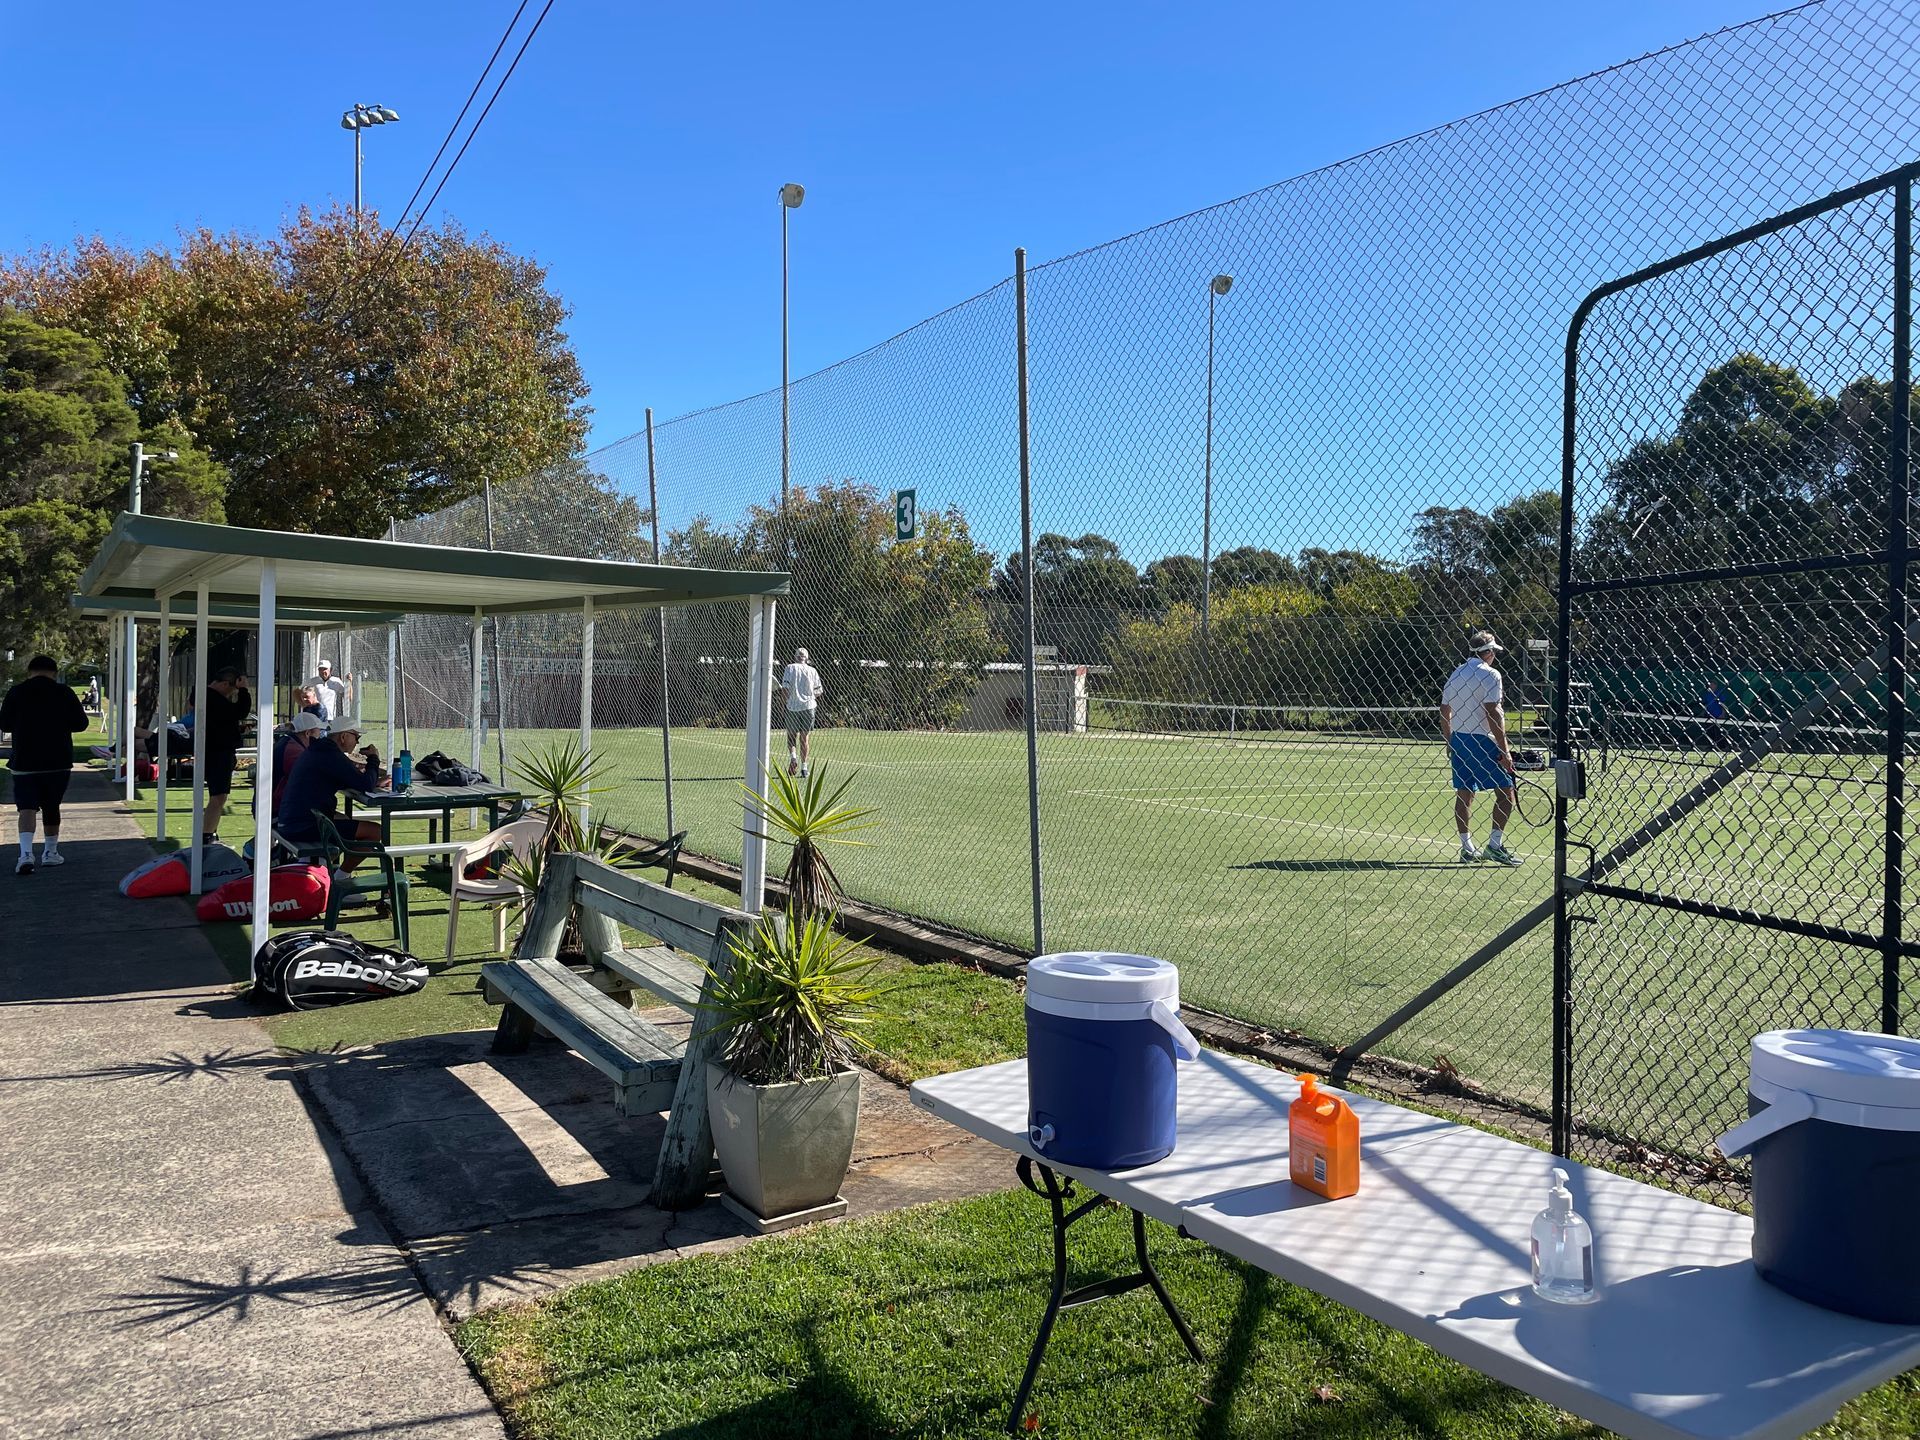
<point x="666" y="698"/>
<point x="790" y="198"/>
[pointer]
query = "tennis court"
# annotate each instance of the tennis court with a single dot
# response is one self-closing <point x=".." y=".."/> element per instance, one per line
<point x="1306" y="879"/>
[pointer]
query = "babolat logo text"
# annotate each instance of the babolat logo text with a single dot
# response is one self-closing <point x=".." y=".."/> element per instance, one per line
<point x="241" y="909"/>
<point x="348" y="970"/>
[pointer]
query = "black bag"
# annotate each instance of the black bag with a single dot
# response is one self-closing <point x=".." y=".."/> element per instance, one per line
<point x="316" y="969"/>
<point x="442" y="769"/>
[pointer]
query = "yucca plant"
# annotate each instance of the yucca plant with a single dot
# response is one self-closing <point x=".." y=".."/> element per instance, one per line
<point x="805" y="813"/>
<point x="793" y="1002"/>
<point x="596" y="842"/>
<point x="559" y="780"/>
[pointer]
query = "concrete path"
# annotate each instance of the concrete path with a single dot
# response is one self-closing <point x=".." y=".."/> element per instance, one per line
<point x="183" y="1252"/>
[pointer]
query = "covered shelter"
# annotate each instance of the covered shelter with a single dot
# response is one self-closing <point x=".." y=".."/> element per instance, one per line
<point x="148" y="563"/>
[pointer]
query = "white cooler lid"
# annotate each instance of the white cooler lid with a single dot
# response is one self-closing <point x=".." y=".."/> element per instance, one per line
<point x="1105" y="977"/>
<point x="1855" y="1066"/>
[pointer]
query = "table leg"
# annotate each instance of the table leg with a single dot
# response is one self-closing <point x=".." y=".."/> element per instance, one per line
<point x="1057" y="1192"/>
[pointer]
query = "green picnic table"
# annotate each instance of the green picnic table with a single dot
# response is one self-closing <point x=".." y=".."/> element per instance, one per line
<point x="431" y="800"/>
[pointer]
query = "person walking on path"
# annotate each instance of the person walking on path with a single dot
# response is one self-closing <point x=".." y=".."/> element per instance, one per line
<point x="802" y="686"/>
<point x="331" y="691"/>
<point x="1476" y="729"/>
<point x="224" y="712"/>
<point x="43" y="716"/>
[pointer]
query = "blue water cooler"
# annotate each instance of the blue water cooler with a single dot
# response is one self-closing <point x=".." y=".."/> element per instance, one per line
<point x="1103" y="1039"/>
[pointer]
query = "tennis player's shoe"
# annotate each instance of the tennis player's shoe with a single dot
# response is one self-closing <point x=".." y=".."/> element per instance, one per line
<point x="1469" y="855"/>
<point x="1500" y="855"/>
<point x="24" y="865"/>
<point x="51" y="857"/>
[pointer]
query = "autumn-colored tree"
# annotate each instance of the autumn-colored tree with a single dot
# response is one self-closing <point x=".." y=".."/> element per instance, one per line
<point x="342" y="381"/>
<point x="65" y="424"/>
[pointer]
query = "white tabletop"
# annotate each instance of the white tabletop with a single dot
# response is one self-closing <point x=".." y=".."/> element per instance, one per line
<point x="1685" y="1340"/>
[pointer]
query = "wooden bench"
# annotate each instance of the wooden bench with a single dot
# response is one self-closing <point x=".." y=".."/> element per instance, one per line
<point x="591" y="1015"/>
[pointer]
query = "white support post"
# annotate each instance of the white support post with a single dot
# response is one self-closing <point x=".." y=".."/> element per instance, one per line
<point x="586" y="693"/>
<point x="197" y="863"/>
<point x="753" y="844"/>
<point x="263" y="763"/>
<point x="161" y="715"/>
<point x="477" y="651"/>
<point x="345" y="672"/>
<point x="393" y="685"/>
<point x="110" y="691"/>
<point x="130" y="698"/>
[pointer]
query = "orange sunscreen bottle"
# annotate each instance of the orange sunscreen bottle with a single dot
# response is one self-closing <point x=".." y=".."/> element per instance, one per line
<point x="1323" y="1142"/>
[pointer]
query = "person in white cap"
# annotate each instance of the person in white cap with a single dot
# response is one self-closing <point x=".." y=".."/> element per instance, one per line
<point x="801" y="684"/>
<point x="330" y="690"/>
<point x="1476" y="731"/>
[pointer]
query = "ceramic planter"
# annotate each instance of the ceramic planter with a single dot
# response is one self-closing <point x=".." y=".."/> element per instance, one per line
<point x="784" y="1148"/>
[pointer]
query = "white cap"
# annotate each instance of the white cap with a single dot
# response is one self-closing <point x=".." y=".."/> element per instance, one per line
<point x="340" y="724"/>
<point x="1482" y="641"/>
<point x="306" y="720"/>
<point x="326" y="664"/>
<point x="801" y="655"/>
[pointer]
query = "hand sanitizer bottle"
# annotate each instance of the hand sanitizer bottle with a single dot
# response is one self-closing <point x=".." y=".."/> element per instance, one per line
<point x="1562" y="1249"/>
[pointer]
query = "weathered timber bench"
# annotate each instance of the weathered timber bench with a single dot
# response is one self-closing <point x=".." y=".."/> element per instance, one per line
<point x="590" y="1014"/>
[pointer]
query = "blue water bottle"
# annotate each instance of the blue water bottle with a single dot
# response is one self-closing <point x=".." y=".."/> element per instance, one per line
<point x="403" y="771"/>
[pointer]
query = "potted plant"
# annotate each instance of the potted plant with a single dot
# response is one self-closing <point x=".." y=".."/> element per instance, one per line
<point x="805" y="814"/>
<point x="785" y="1094"/>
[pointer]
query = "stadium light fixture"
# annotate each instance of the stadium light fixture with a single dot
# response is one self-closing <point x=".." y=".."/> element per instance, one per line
<point x="356" y="119"/>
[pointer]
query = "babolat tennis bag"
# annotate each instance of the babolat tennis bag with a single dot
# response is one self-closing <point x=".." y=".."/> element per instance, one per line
<point x="316" y="969"/>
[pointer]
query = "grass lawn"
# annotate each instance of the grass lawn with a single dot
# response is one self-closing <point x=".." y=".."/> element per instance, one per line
<point x="916" y="1324"/>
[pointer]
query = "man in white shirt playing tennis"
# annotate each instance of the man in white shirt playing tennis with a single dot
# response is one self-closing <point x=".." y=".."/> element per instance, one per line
<point x="1476" y="729"/>
<point x="801" y="684"/>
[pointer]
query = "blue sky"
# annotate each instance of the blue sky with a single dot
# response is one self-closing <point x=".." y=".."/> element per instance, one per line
<point x="638" y="149"/>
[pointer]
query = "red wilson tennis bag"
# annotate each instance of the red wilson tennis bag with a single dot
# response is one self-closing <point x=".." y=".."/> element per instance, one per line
<point x="316" y="969"/>
<point x="294" y="892"/>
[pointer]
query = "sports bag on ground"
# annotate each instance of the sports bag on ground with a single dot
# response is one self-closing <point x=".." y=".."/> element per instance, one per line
<point x="169" y="875"/>
<point x="316" y="969"/>
<point x="294" y="892"/>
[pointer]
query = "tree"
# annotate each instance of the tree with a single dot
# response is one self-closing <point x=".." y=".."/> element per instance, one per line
<point x="65" y="424"/>
<point x="1173" y="580"/>
<point x="342" y="384"/>
<point x="1251" y="565"/>
<point x="899" y="631"/>
<point x="1084" y="591"/>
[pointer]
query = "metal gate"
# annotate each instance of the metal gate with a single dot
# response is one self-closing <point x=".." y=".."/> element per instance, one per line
<point x="1734" y="626"/>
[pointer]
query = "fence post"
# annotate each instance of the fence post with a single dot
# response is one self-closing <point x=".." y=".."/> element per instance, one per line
<point x="499" y="695"/>
<point x="1562" y="1139"/>
<point x="1026" y="570"/>
<point x="666" y="727"/>
<point x="1899" y="537"/>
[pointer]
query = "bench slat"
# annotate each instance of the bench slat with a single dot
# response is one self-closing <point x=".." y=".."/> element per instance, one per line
<point x="672" y="977"/>
<point x="687" y="909"/>
<point x="641" y="1060"/>
<point x="646" y="919"/>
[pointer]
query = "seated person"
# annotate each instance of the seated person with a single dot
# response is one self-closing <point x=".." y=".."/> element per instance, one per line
<point x="315" y="780"/>
<point x="307" y="732"/>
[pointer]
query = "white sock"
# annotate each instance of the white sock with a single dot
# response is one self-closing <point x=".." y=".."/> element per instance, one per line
<point x="1466" y="841"/>
<point x="26" y="844"/>
<point x="1497" y="838"/>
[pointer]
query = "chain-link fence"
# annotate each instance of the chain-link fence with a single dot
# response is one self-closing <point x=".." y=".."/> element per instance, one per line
<point x="1286" y="453"/>
<point x="1740" y="511"/>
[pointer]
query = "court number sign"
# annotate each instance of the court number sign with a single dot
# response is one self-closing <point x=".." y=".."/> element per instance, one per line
<point x="906" y="515"/>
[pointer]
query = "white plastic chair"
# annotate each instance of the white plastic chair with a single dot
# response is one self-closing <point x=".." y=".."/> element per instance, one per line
<point x="517" y="837"/>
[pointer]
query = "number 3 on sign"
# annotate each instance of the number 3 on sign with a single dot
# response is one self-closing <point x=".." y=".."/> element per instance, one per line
<point x="906" y="515"/>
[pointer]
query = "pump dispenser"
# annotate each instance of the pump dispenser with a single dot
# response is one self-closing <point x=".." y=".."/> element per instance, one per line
<point x="1562" y="1249"/>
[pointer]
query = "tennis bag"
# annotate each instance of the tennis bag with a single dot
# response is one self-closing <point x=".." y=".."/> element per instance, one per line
<point x="440" y="768"/>
<point x="317" y="969"/>
<point x="294" y="892"/>
<point x="169" y="875"/>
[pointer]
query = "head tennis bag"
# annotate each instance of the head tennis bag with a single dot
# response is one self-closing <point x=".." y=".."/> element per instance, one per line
<point x="294" y="892"/>
<point x="316" y="969"/>
<point x="168" y="874"/>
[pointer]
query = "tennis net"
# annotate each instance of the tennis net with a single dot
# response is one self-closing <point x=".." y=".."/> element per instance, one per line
<point x="1266" y="723"/>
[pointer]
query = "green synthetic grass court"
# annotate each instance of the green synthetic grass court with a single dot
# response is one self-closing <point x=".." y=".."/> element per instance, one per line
<point x="1311" y="883"/>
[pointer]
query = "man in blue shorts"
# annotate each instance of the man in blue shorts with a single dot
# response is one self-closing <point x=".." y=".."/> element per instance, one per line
<point x="1476" y="730"/>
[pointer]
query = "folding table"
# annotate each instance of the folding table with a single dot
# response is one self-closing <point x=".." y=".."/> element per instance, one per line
<point x="1685" y="1340"/>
